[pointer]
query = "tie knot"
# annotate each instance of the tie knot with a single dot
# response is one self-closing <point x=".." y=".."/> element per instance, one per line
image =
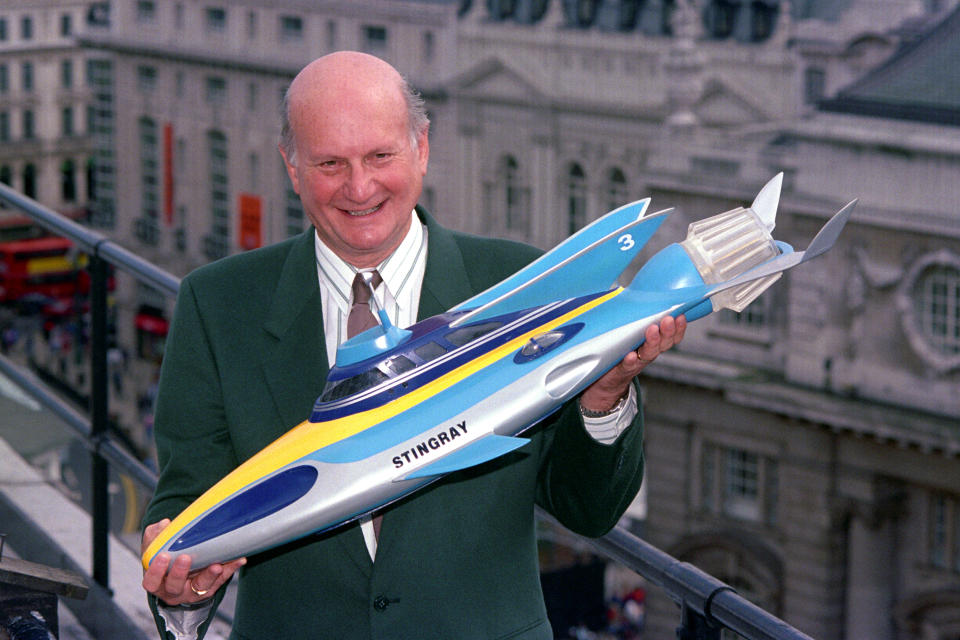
<point x="361" y="292"/>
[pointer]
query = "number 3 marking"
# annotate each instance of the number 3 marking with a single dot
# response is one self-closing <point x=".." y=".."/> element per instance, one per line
<point x="626" y="242"/>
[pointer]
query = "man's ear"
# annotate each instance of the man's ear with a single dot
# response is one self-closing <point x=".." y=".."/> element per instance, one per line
<point x="291" y="170"/>
<point x="423" y="149"/>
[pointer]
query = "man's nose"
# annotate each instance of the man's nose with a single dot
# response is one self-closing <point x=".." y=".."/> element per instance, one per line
<point x="359" y="184"/>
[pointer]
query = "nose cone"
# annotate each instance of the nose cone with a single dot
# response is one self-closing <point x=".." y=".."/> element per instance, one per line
<point x="765" y="204"/>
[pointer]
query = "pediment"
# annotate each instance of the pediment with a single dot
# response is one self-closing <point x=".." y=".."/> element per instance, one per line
<point x="721" y="105"/>
<point x="493" y="78"/>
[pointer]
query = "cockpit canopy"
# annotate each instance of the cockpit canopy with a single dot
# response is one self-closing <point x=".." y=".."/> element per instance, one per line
<point x="430" y="346"/>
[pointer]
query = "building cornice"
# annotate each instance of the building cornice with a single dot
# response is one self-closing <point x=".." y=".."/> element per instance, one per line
<point x="858" y="417"/>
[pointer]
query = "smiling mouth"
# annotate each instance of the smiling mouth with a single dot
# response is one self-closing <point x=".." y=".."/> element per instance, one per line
<point x="364" y="212"/>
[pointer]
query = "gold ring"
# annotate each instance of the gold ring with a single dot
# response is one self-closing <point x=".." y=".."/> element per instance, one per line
<point x="199" y="592"/>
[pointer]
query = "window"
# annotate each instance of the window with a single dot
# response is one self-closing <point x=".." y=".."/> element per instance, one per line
<point x="509" y="203"/>
<point x="937" y="304"/>
<point x="253" y="172"/>
<point x="814" y="85"/>
<point x="68" y="181"/>
<point x="216" y="90"/>
<point x="576" y="198"/>
<point x="374" y="39"/>
<point x="179" y="84"/>
<point x="100" y="176"/>
<point x="28" y="130"/>
<point x="251" y="25"/>
<point x="146" y="79"/>
<point x="178" y="16"/>
<point x="755" y="316"/>
<point x="6" y="175"/>
<point x="738" y="483"/>
<point x="30" y="181"/>
<point x="3" y="29"/>
<point x="66" y="25"/>
<point x="26" y="28"/>
<point x="943" y="531"/>
<point x="291" y="28"/>
<point x="616" y="189"/>
<point x="26" y="76"/>
<point x="66" y="74"/>
<point x="146" y="11"/>
<point x="216" y="243"/>
<point x="429" y="46"/>
<point x="146" y="228"/>
<point x="4" y="78"/>
<point x="4" y="126"/>
<point x="331" y="35"/>
<point x="216" y="19"/>
<point x="66" y="120"/>
<point x="252" y="96"/>
<point x="719" y="17"/>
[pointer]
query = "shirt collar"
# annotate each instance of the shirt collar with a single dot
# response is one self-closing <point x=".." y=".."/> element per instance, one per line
<point x="337" y="275"/>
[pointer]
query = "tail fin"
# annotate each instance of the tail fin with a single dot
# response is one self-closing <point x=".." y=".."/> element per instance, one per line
<point x="820" y="244"/>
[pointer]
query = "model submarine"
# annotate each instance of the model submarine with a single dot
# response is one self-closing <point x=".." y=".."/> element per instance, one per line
<point x="404" y="407"/>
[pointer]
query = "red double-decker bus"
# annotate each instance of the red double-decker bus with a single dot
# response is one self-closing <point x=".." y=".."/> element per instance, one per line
<point x="44" y="267"/>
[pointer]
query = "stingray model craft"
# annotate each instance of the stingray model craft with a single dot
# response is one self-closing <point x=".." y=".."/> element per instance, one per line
<point x="404" y="407"/>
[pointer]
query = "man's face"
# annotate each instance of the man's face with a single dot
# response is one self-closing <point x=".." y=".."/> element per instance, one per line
<point x="358" y="173"/>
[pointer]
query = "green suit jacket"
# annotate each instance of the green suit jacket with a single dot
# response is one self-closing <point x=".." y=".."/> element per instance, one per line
<point x="245" y="361"/>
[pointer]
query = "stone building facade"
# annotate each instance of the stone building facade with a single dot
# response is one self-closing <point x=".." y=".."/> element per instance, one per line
<point x="804" y="451"/>
<point x="45" y="146"/>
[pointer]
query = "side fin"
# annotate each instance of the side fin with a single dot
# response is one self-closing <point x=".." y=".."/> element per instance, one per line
<point x="484" y="449"/>
<point x="593" y="263"/>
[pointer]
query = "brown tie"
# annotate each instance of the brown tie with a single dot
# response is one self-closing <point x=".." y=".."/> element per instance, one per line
<point x="360" y="319"/>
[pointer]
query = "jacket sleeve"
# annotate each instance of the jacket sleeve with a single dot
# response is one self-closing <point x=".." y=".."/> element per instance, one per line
<point x="585" y="484"/>
<point x="193" y="448"/>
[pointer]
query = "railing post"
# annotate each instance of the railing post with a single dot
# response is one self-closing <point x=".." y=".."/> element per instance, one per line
<point x="694" y="626"/>
<point x="99" y="418"/>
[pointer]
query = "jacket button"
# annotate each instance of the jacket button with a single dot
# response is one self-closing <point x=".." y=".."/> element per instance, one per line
<point x="381" y="603"/>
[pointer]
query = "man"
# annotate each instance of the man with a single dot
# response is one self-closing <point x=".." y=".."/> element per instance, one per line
<point x="247" y="356"/>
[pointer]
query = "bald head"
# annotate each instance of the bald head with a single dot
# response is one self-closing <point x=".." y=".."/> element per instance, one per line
<point x="347" y="78"/>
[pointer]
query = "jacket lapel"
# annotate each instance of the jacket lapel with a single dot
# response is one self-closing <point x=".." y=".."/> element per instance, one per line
<point x="445" y="282"/>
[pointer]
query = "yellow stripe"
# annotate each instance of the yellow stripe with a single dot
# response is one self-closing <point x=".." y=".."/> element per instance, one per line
<point x="308" y="437"/>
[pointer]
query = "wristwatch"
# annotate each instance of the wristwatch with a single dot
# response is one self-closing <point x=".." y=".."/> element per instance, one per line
<point x="587" y="413"/>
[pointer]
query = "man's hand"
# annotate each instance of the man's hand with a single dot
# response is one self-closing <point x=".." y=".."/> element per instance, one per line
<point x="603" y="394"/>
<point x="175" y="584"/>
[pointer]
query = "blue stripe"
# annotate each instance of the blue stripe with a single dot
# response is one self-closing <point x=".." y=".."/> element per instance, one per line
<point x="250" y="505"/>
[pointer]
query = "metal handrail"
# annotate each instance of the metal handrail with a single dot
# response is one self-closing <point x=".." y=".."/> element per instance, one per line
<point x="707" y="604"/>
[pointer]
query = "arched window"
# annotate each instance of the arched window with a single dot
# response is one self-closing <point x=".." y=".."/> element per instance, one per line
<point x="718" y="18"/>
<point x="616" y="189"/>
<point x="529" y="11"/>
<point x="576" y="198"/>
<point x="763" y="18"/>
<point x="580" y="13"/>
<point x="501" y="9"/>
<point x="655" y="17"/>
<point x="515" y="214"/>
<point x="68" y="181"/>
